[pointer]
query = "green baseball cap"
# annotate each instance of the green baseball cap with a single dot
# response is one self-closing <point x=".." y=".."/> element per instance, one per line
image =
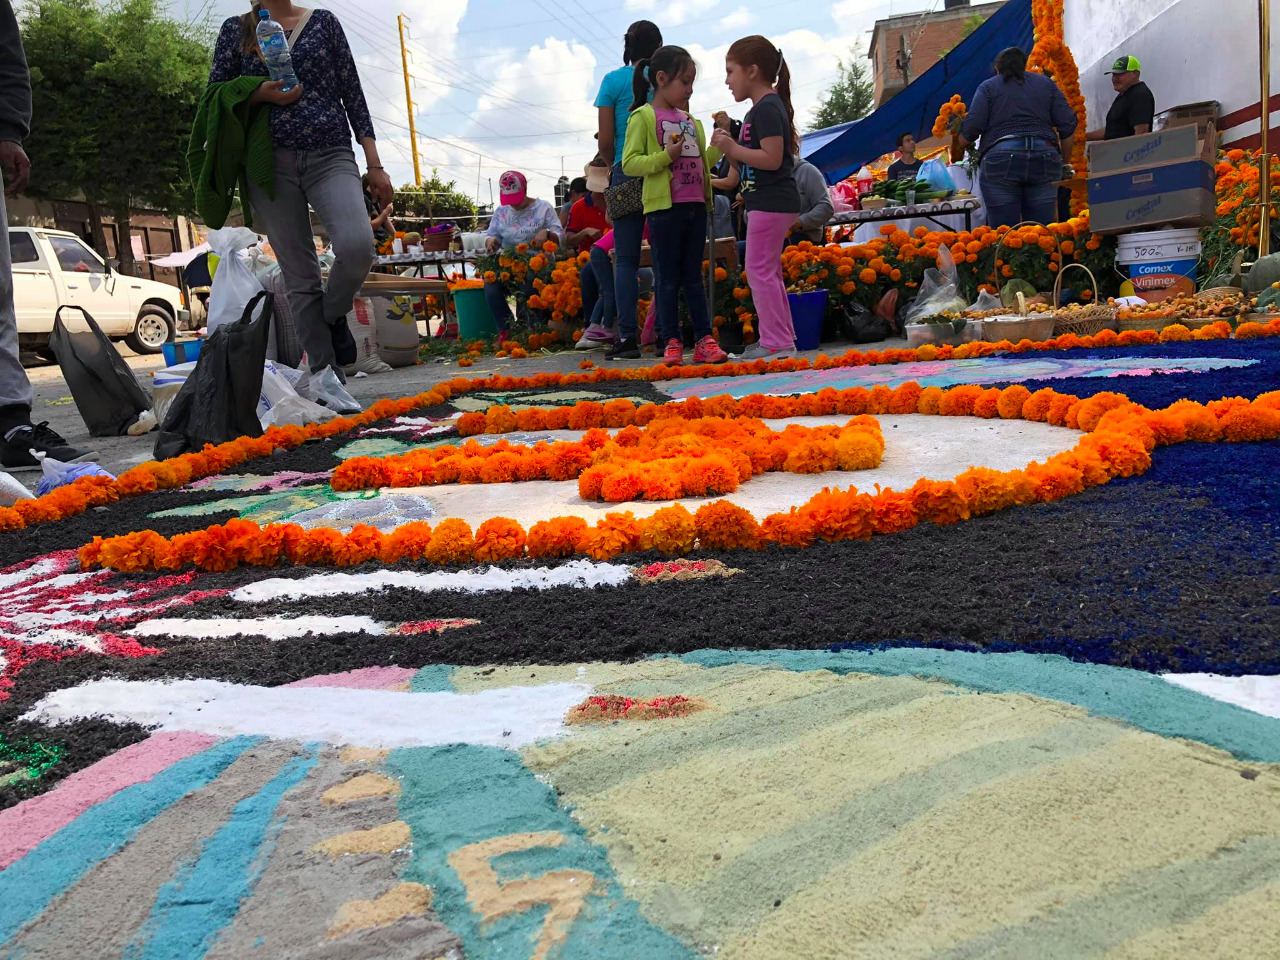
<point x="1125" y="65"/>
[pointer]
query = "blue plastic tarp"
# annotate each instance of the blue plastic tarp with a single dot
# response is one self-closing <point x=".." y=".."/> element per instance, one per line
<point x="841" y="151"/>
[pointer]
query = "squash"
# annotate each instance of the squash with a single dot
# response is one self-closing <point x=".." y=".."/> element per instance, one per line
<point x="1268" y="296"/>
<point x="1009" y="293"/>
<point x="1263" y="274"/>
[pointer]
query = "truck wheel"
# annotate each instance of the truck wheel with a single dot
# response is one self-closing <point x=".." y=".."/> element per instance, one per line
<point x="152" y="331"/>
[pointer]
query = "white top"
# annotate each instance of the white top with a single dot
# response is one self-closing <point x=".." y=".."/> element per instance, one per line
<point x="512" y="226"/>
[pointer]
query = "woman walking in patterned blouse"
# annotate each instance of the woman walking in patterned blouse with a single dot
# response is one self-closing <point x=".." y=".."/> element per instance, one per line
<point x="315" y="167"/>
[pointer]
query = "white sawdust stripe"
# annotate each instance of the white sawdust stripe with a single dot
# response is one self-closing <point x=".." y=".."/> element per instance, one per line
<point x="273" y="628"/>
<point x="510" y="717"/>
<point x="578" y="573"/>
<point x="1261" y="694"/>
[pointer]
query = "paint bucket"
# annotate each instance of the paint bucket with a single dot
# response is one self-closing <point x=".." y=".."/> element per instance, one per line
<point x="181" y="351"/>
<point x="1159" y="262"/>
<point x="807" y="313"/>
<point x="475" y="319"/>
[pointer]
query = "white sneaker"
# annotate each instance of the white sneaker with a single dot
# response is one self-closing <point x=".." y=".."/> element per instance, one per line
<point x="758" y="352"/>
<point x="594" y="338"/>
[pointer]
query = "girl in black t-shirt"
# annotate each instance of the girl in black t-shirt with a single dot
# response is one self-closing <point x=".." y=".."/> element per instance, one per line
<point x="763" y="168"/>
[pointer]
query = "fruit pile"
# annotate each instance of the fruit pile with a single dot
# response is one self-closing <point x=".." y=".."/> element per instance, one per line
<point x="1185" y="308"/>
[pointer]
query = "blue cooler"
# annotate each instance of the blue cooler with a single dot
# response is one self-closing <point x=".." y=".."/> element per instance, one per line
<point x="808" y="310"/>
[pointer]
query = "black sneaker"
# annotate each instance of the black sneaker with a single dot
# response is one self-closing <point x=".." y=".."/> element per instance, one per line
<point x="15" y="452"/>
<point x="344" y="344"/>
<point x="628" y="349"/>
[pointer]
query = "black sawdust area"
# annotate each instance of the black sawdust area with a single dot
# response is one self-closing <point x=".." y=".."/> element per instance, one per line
<point x="1110" y="576"/>
<point x="83" y="743"/>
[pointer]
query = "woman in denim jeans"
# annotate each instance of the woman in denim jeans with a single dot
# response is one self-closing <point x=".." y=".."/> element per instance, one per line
<point x="1026" y="126"/>
<point x="614" y="104"/>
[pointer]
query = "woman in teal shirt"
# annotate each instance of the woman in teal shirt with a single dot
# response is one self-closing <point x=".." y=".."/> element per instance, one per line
<point x="614" y="104"/>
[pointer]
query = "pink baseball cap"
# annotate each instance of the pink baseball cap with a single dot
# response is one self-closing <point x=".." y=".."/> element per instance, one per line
<point x="512" y="188"/>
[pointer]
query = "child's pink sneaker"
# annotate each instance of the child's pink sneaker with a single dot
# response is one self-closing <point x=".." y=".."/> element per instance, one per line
<point x="673" y="356"/>
<point x="708" y="351"/>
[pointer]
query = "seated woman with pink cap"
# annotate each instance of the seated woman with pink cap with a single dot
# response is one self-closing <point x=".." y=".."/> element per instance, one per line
<point x="520" y="219"/>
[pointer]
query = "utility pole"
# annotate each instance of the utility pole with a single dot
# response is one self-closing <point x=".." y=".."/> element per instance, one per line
<point x="408" y="96"/>
<point x="479" y="161"/>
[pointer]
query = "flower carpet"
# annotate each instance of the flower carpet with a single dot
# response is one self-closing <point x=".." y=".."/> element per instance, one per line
<point x="892" y="656"/>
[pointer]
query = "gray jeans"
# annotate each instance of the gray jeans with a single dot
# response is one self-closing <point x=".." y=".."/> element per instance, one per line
<point x="15" y="388"/>
<point x="327" y="181"/>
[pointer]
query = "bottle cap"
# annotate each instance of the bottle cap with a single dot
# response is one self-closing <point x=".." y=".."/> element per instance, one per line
<point x="264" y="14"/>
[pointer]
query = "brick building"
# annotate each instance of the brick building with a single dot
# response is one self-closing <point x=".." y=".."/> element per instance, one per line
<point x="925" y="37"/>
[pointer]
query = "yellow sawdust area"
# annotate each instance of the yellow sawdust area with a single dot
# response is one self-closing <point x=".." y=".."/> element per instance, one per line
<point x="362" y="755"/>
<point x="363" y="787"/>
<point x="402" y="900"/>
<point x="385" y="838"/>
<point x="1004" y="809"/>
<point x="563" y="891"/>
<point x="1003" y="854"/>
<point x="1244" y="926"/>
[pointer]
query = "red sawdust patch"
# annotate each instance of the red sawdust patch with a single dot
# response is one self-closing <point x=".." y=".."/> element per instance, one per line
<point x="603" y="709"/>
<point x="682" y="570"/>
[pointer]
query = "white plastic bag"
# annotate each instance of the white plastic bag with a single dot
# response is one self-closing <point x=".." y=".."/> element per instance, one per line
<point x="11" y="491"/>
<point x="939" y="290"/>
<point x="234" y="284"/>
<point x="327" y="390"/>
<point x="55" y="473"/>
<point x="986" y="301"/>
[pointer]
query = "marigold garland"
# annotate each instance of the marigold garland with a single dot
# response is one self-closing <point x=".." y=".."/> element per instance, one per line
<point x="77" y="497"/>
<point x="1119" y="439"/>
<point x="675" y="455"/>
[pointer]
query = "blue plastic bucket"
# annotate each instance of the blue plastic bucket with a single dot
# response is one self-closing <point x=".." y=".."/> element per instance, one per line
<point x="808" y="310"/>
<point x="181" y="351"/>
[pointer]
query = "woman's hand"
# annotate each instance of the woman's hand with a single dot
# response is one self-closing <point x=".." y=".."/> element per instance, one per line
<point x="723" y="142"/>
<point x="383" y="219"/>
<point x="721" y="121"/>
<point x="271" y="92"/>
<point x="380" y="187"/>
<point x="492" y="244"/>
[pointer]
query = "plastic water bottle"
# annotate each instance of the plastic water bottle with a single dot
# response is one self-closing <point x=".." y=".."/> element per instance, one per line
<point x="275" y="51"/>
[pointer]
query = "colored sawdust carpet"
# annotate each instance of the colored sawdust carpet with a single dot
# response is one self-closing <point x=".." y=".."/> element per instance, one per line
<point x="1047" y="731"/>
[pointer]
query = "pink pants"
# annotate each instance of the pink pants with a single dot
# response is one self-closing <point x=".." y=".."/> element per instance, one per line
<point x="766" y="233"/>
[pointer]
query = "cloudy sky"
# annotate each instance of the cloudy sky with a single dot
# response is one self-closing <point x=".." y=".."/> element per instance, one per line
<point x="500" y="85"/>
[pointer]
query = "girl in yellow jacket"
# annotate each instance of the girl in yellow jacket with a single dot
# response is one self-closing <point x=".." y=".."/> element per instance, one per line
<point x="667" y="147"/>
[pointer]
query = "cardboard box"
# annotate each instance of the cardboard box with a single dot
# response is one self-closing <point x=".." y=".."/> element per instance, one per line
<point x="1144" y="150"/>
<point x="1153" y="179"/>
<point x="1198" y="115"/>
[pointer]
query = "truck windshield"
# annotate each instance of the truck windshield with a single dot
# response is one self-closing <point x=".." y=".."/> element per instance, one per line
<point x="74" y="257"/>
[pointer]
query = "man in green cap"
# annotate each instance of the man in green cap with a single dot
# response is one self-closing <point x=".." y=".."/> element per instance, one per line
<point x="1134" y="107"/>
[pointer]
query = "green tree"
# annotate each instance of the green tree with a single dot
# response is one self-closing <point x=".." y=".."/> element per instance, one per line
<point x="438" y="199"/>
<point x="849" y="98"/>
<point x="966" y="29"/>
<point x="114" y="91"/>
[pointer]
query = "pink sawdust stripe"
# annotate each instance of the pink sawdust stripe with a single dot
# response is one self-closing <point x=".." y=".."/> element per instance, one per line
<point x="366" y="678"/>
<point x="30" y="823"/>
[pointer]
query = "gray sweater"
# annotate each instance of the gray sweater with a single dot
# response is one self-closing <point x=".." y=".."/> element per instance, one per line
<point x="15" y="82"/>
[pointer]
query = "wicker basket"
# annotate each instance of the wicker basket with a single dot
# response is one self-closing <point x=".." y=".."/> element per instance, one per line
<point x="1092" y="319"/>
<point x="1159" y="323"/>
<point x="1219" y="293"/>
<point x="1014" y="329"/>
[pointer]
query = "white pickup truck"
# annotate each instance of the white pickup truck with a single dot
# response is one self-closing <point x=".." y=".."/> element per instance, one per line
<point x="52" y="269"/>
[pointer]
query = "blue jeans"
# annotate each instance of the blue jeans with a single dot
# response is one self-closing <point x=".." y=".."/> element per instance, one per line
<point x="495" y="294"/>
<point x="601" y="268"/>
<point x="1017" y="180"/>
<point x="590" y="292"/>
<point x="678" y="238"/>
<point x="628" y="235"/>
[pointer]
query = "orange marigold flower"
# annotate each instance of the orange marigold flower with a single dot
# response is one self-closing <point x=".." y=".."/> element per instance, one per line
<point x="959" y="401"/>
<point x="1011" y="402"/>
<point x="499" y="538"/>
<point x="560" y="537"/>
<point x="671" y="530"/>
<point x="893" y="512"/>
<point x="616" y="534"/>
<point x="987" y="403"/>
<point x="930" y="401"/>
<point x="451" y="542"/>
<point x="723" y="525"/>
<point x="787" y="529"/>
<point x="939" y="502"/>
